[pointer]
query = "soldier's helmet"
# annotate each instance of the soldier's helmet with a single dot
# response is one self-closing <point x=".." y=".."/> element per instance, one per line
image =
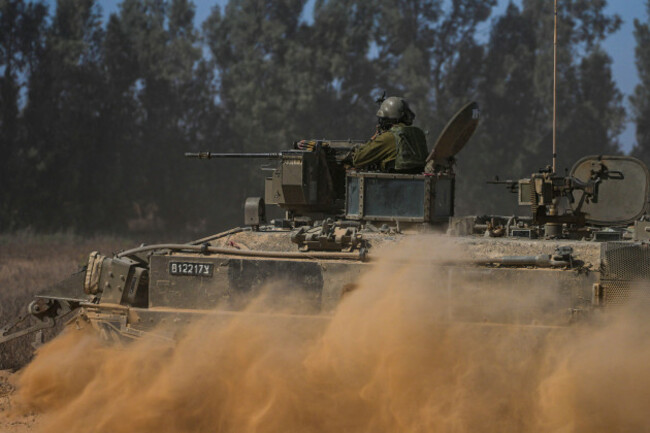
<point x="396" y="109"/>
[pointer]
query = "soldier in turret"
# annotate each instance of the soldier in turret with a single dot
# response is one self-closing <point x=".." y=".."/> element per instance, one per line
<point x="398" y="146"/>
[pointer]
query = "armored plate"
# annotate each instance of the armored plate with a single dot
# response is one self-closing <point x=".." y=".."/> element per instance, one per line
<point x="456" y="133"/>
<point x="399" y="197"/>
<point x="622" y="197"/>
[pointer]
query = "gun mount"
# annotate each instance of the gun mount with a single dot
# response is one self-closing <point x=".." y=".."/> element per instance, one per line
<point x="309" y="180"/>
<point x="314" y="181"/>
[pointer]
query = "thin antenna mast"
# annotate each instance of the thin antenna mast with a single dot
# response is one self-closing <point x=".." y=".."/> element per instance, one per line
<point x="555" y="91"/>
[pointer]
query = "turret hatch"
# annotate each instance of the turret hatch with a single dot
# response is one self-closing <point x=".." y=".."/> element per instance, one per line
<point x="622" y="192"/>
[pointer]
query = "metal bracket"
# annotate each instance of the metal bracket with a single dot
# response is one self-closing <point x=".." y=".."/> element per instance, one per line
<point x="329" y="237"/>
<point x="254" y="212"/>
<point x="46" y="311"/>
<point x="597" y="295"/>
<point x="5" y="335"/>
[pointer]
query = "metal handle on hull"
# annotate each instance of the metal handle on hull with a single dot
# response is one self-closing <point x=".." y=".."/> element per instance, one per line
<point x="360" y="256"/>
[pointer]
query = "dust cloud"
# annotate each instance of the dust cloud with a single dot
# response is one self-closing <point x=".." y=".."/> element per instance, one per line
<point x="389" y="359"/>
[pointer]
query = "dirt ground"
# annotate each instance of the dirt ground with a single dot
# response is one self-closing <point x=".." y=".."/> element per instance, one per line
<point x="29" y="263"/>
<point x="384" y="362"/>
<point x="10" y="421"/>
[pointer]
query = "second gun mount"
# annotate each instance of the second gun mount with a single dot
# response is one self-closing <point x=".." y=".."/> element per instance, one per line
<point x="600" y="191"/>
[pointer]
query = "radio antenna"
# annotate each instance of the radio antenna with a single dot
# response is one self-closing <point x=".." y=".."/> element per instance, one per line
<point x="555" y="91"/>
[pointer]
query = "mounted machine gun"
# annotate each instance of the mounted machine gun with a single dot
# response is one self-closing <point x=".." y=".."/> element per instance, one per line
<point x="599" y="191"/>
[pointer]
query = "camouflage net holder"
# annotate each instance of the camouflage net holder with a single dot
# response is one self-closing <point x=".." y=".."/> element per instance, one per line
<point x="93" y="272"/>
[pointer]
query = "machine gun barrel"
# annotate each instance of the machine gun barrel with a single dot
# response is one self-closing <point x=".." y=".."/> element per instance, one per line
<point x="512" y="185"/>
<point x="216" y="155"/>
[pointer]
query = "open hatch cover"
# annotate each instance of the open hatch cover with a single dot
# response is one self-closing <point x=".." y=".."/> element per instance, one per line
<point x="456" y="134"/>
<point x="622" y="195"/>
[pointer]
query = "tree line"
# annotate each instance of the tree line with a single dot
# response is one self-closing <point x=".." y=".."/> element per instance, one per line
<point x="96" y="111"/>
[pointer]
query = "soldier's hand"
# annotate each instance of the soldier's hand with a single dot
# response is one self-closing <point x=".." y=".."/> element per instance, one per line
<point x="347" y="161"/>
<point x="377" y="132"/>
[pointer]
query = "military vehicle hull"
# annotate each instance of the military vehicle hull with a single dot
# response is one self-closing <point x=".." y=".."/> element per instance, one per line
<point x="472" y="280"/>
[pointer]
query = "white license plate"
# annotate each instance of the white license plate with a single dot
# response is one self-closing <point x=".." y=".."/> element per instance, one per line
<point x="191" y="269"/>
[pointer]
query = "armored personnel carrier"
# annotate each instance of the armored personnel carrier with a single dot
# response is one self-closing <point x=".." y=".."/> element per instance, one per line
<point x="584" y="239"/>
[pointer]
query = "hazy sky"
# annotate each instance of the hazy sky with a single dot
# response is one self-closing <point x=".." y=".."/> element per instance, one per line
<point x="620" y="45"/>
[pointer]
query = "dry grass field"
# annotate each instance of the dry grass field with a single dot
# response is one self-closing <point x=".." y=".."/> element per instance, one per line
<point x="28" y="264"/>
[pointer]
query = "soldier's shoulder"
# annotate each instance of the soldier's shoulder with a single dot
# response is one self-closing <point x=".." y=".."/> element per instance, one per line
<point x="408" y="129"/>
<point x="385" y="136"/>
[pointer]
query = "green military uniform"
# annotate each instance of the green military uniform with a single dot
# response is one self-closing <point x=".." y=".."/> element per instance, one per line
<point x="402" y="148"/>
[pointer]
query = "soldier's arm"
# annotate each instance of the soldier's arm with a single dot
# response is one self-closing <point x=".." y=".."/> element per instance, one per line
<point x="381" y="148"/>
